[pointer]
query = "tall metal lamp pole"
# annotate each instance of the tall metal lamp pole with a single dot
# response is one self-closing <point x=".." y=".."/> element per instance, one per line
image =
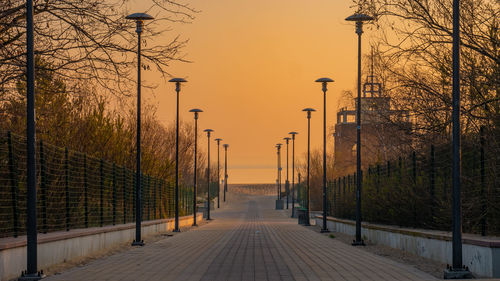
<point x="177" y="82"/>
<point x="139" y="18"/>
<point x="208" y="131"/>
<point x="31" y="272"/>
<point x="279" y="202"/>
<point x="195" y="172"/>
<point x="457" y="270"/>
<point x="293" y="172"/>
<point x="324" y="82"/>
<point x="218" y="140"/>
<point x="308" y="191"/>
<point x="225" y="169"/>
<point x="359" y="19"/>
<point x="287" y="183"/>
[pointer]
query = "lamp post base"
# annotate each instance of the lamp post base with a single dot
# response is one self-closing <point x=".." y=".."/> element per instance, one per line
<point x="459" y="273"/>
<point x="176" y="230"/>
<point x="279" y="204"/>
<point x="31" y="277"/>
<point x="358" y="243"/>
<point x="301" y="215"/>
<point x="324" y="230"/>
<point x="138" y="243"/>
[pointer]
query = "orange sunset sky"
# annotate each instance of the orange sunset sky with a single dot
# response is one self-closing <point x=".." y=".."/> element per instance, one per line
<point x="253" y="71"/>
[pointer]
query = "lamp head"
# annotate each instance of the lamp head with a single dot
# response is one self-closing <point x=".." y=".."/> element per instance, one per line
<point x="208" y="130"/>
<point x="139" y="18"/>
<point x="177" y="82"/>
<point x="293" y="133"/>
<point x="359" y="17"/>
<point x="287" y="139"/>
<point x="226" y="145"/>
<point x="218" y="140"/>
<point x="309" y="110"/>
<point x="196" y="111"/>
<point x="324" y="81"/>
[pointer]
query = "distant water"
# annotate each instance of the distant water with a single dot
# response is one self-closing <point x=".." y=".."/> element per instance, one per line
<point x="254" y="176"/>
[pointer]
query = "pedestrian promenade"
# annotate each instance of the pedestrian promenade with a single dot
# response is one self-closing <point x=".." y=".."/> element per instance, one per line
<point x="246" y="240"/>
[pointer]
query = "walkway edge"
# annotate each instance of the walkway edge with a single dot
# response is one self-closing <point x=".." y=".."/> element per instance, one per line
<point x="61" y="246"/>
<point x="481" y="255"/>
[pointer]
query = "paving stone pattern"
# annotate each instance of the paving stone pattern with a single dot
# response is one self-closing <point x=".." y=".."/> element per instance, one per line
<point x="247" y="240"/>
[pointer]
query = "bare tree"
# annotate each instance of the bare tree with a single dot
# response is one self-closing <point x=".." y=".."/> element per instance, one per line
<point x="88" y="41"/>
<point x="414" y="47"/>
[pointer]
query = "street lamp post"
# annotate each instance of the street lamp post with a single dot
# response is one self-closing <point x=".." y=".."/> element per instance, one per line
<point x="177" y="82"/>
<point x="225" y="170"/>
<point x="279" y="202"/>
<point x="208" y="131"/>
<point x="287" y="183"/>
<point x="195" y="172"/>
<point x="457" y="270"/>
<point x="359" y="19"/>
<point x="218" y="140"/>
<point x="324" y="82"/>
<point x="293" y="172"/>
<point x="139" y="19"/>
<point x="308" y="110"/>
<point x="31" y="272"/>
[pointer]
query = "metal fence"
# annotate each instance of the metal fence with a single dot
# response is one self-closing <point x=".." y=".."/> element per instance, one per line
<point x="415" y="190"/>
<point x="77" y="191"/>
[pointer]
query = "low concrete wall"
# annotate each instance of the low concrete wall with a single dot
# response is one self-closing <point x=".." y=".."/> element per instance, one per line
<point x="481" y="255"/>
<point x="62" y="246"/>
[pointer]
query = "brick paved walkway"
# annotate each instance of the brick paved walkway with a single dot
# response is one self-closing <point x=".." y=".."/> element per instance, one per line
<point x="247" y="240"/>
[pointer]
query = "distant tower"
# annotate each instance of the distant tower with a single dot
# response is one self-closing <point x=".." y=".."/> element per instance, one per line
<point x="378" y="129"/>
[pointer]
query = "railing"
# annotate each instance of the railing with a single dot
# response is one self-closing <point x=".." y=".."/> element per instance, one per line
<point x="415" y="191"/>
<point x="77" y="191"/>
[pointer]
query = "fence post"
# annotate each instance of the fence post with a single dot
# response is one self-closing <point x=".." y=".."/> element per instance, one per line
<point x="66" y="185"/>
<point x="378" y="178"/>
<point x="339" y="199"/>
<point x="43" y="187"/>
<point x="154" y="197"/>
<point x="13" y="184"/>
<point x="389" y="169"/>
<point x="85" y="191"/>
<point x="124" y="195"/>
<point x="114" y="194"/>
<point x="344" y="199"/>
<point x="160" y="197"/>
<point x="400" y="169"/>
<point x="101" y="192"/>
<point x="414" y="178"/>
<point x="483" y="180"/>
<point x="149" y="197"/>
<point x="414" y="166"/>
<point x="432" y="177"/>
<point x="299" y="198"/>
<point x="334" y="198"/>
